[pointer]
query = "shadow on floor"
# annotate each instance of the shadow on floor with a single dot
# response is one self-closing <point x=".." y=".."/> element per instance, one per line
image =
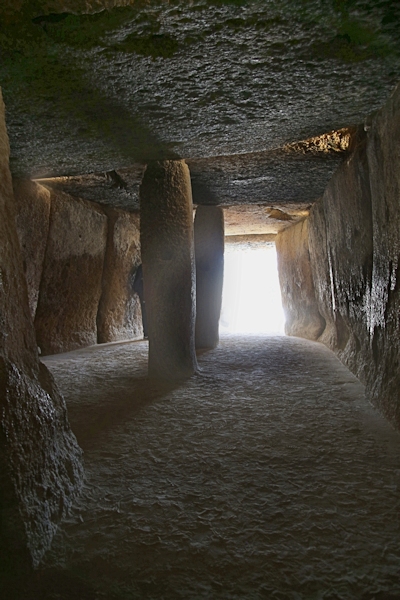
<point x="54" y="584"/>
<point x="51" y="584"/>
<point x="92" y="420"/>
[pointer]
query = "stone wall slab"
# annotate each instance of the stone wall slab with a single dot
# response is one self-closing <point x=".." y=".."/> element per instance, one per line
<point x="303" y="318"/>
<point x="383" y="151"/>
<point x="354" y="241"/>
<point x="40" y="461"/>
<point x="119" y="316"/>
<point x="70" y="289"/>
<point x="32" y="207"/>
<point x="341" y="253"/>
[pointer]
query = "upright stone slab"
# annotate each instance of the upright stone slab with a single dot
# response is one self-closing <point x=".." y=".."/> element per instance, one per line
<point x="355" y="249"/>
<point x="32" y="207"/>
<point x="209" y="252"/>
<point x="322" y="273"/>
<point x="119" y="316"/>
<point x="303" y="318"/>
<point x="70" y="289"/>
<point x="166" y="229"/>
<point x="40" y="461"/>
<point x="383" y="151"/>
<point x="347" y="207"/>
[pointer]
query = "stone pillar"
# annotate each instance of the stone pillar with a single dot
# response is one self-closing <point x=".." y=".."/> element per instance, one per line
<point x="166" y="232"/>
<point x="209" y="251"/>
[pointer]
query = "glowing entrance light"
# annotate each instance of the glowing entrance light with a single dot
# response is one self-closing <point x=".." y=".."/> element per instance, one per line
<point x="251" y="299"/>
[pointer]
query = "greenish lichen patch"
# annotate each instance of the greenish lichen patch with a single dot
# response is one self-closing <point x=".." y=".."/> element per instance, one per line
<point x="350" y="32"/>
<point x="85" y="31"/>
<point x="196" y="78"/>
<point x="354" y="42"/>
<point x="153" y="45"/>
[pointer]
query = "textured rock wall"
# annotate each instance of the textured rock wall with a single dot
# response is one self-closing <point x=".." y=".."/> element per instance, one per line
<point x="32" y="207"/>
<point x="77" y="284"/>
<point x="383" y="152"/>
<point x="354" y="243"/>
<point x="341" y="252"/>
<point x="119" y="316"/>
<point x="44" y="7"/>
<point x="166" y="233"/>
<point x="303" y="318"/>
<point x="317" y="230"/>
<point x="40" y="461"/>
<point x="71" y="282"/>
<point x="209" y="252"/>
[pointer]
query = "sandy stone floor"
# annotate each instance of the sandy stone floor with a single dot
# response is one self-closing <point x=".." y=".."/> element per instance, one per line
<point x="268" y="475"/>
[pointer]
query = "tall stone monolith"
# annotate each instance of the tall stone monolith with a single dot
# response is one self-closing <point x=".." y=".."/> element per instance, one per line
<point x="209" y="252"/>
<point x="166" y="231"/>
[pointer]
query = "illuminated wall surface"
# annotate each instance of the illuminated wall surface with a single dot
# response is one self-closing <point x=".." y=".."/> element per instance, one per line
<point x="251" y="300"/>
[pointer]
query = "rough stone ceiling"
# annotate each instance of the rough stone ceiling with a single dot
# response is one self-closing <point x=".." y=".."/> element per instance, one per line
<point x="225" y="84"/>
<point x="260" y="220"/>
<point x="274" y="177"/>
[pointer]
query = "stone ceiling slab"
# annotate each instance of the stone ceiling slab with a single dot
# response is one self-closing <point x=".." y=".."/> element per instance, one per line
<point x="262" y="178"/>
<point x="12" y="8"/>
<point x="274" y="178"/>
<point x="112" y="188"/>
<point x="97" y="93"/>
<point x="261" y="220"/>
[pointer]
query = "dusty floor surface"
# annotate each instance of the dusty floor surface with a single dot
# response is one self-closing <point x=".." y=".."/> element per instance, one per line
<point x="268" y="475"/>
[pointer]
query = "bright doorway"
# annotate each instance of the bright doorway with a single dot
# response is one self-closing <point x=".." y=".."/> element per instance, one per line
<point x="251" y="299"/>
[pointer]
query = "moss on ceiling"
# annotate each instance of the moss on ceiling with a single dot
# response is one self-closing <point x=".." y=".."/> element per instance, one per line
<point x="62" y="67"/>
<point x="353" y="23"/>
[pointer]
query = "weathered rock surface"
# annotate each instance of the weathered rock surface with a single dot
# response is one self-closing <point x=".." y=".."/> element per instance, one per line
<point x="318" y="248"/>
<point x="119" y="316"/>
<point x="71" y="283"/>
<point x="354" y="240"/>
<point x="45" y="7"/>
<point x="209" y="253"/>
<point x="262" y="220"/>
<point x="268" y="178"/>
<point x="358" y="284"/>
<point x="347" y="276"/>
<point x="32" y="207"/>
<point x="249" y="241"/>
<point x="303" y="318"/>
<point x="284" y="179"/>
<point x="77" y="6"/>
<point x="383" y="151"/>
<point x="339" y="246"/>
<point x="100" y="92"/>
<point x="40" y="461"/>
<point x="166" y="233"/>
<point x="119" y="189"/>
<point x="273" y="450"/>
